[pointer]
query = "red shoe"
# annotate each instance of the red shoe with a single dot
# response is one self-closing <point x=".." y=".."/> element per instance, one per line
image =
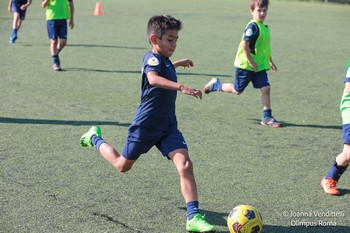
<point x="329" y="186"/>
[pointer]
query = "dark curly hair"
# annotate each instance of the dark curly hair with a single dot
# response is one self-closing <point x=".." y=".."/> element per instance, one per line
<point x="159" y="24"/>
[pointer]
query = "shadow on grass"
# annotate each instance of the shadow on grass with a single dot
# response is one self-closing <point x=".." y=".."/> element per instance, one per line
<point x="286" y="124"/>
<point x="10" y="120"/>
<point x="139" y="72"/>
<point x="105" y="46"/>
<point x="344" y="192"/>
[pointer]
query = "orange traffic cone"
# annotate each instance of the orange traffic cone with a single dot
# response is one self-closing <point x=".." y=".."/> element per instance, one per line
<point x="98" y="10"/>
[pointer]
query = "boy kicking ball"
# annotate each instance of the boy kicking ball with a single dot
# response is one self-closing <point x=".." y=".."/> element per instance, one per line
<point x="155" y="123"/>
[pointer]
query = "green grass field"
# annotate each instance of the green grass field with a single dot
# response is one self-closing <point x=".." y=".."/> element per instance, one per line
<point x="48" y="183"/>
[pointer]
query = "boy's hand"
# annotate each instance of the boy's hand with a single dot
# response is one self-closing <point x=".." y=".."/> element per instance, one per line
<point x="273" y="66"/>
<point x="184" y="63"/>
<point x="71" y="24"/>
<point x="254" y="66"/>
<point x="190" y="91"/>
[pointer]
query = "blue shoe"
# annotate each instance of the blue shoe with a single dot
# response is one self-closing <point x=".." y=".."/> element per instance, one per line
<point x="210" y="87"/>
<point x="13" y="38"/>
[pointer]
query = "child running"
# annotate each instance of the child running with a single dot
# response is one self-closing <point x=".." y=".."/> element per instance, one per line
<point x="253" y="59"/>
<point x="19" y="9"/>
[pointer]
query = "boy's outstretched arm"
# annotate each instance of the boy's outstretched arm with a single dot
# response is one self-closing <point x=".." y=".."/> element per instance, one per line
<point x="158" y="81"/>
<point x="184" y="63"/>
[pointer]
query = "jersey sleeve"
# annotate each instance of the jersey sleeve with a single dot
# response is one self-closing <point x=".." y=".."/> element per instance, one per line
<point x="251" y="32"/>
<point x="151" y="62"/>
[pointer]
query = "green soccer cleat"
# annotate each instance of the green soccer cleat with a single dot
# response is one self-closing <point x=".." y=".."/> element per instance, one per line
<point x="198" y="224"/>
<point x="85" y="140"/>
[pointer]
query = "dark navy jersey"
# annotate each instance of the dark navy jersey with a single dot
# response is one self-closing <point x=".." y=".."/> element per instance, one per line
<point x="157" y="108"/>
<point x="20" y="2"/>
<point x="251" y="34"/>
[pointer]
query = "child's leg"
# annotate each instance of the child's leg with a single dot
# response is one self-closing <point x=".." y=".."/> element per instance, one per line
<point x="61" y="44"/>
<point x="341" y="164"/>
<point x="54" y="54"/>
<point x="343" y="159"/>
<point x="113" y="157"/>
<point x="229" y="88"/>
<point x="93" y="139"/>
<point x="265" y="97"/>
<point x="184" y="166"/>
<point x="215" y="85"/>
<point x="15" y="27"/>
<point x="53" y="46"/>
<point x="16" y="21"/>
<point x="338" y="168"/>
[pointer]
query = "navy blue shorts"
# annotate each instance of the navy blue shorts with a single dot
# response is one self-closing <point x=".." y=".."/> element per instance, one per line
<point x="16" y="8"/>
<point x="346" y="133"/>
<point x="141" y="140"/>
<point x="57" y="29"/>
<point x="244" y="77"/>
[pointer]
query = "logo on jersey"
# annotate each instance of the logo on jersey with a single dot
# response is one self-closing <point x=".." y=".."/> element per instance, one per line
<point x="249" y="32"/>
<point x="153" y="61"/>
<point x="348" y="73"/>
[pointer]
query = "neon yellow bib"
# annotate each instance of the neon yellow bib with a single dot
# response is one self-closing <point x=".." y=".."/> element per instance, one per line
<point x="58" y="9"/>
<point x="345" y="100"/>
<point x="262" y="50"/>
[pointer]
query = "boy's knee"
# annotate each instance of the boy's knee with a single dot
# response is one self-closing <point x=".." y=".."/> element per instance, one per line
<point x="265" y="90"/>
<point x="186" y="168"/>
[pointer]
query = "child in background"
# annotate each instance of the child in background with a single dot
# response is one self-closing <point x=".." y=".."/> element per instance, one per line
<point x="155" y="122"/>
<point x="253" y="59"/>
<point x="342" y="161"/>
<point x="19" y="9"/>
<point x="57" y="13"/>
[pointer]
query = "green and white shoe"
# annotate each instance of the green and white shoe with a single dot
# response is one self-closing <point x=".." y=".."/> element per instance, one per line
<point x="198" y="224"/>
<point x="85" y="140"/>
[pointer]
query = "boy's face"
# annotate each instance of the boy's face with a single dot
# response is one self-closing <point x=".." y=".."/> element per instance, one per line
<point x="259" y="13"/>
<point x="166" y="45"/>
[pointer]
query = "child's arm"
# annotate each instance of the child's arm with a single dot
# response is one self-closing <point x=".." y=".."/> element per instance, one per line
<point x="272" y="64"/>
<point x="71" y="21"/>
<point x="184" y="63"/>
<point x="9" y="8"/>
<point x="44" y="3"/>
<point x="245" y="47"/>
<point x="155" y="80"/>
<point x="24" y="6"/>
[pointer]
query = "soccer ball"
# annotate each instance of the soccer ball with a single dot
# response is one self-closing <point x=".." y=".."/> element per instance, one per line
<point x="244" y="219"/>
